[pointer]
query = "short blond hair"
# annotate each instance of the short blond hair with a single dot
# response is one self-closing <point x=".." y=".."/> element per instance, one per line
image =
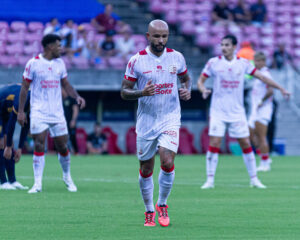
<point x="260" y="56"/>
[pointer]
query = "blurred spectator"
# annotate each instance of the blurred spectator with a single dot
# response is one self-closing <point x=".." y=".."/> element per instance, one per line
<point x="125" y="45"/>
<point x="105" y="21"/>
<point x="68" y="34"/>
<point x="281" y="57"/>
<point x="53" y="27"/>
<point x="107" y="48"/>
<point x="97" y="141"/>
<point x="258" y="13"/>
<point x="221" y="13"/>
<point x="82" y="46"/>
<point x="241" y="14"/>
<point x="246" y="51"/>
<point x="71" y="110"/>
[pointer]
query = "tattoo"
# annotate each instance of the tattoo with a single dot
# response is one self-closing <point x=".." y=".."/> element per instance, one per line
<point x="127" y="91"/>
<point x="185" y="81"/>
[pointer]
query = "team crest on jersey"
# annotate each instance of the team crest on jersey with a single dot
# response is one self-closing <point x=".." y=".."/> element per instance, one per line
<point x="172" y="69"/>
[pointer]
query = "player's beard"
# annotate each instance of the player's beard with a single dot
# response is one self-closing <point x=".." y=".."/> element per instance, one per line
<point x="158" y="47"/>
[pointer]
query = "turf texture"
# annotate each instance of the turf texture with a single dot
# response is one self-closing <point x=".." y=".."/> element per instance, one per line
<point x="108" y="204"/>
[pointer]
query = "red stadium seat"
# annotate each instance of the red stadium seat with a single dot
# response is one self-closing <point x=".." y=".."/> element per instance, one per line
<point x="18" y="26"/>
<point x="131" y="141"/>
<point x="112" y="139"/>
<point x="81" y="139"/>
<point x="186" y="142"/>
<point x="36" y="27"/>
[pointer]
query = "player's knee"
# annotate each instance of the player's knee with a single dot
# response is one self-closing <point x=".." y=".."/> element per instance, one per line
<point x="167" y="164"/>
<point x="215" y="143"/>
<point x="146" y="171"/>
<point x="39" y="146"/>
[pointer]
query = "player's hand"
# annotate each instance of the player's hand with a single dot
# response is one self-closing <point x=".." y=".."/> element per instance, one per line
<point x="285" y="93"/>
<point x="149" y="89"/>
<point x="7" y="152"/>
<point x="81" y="102"/>
<point x="184" y="94"/>
<point x="18" y="154"/>
<point x="205" y="93"/>
<point x="21" y="118"/>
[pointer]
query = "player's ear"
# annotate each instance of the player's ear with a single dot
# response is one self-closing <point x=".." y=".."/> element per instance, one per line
<point x="148" y="35"/>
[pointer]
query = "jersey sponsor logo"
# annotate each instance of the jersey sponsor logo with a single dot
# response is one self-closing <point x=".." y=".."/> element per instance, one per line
<point x="165" y="88"/>
<point x="50" y="83"/>
<point x="172" y="69"/>
<point x="229" y="84"/>
<point x="159" y="67"/>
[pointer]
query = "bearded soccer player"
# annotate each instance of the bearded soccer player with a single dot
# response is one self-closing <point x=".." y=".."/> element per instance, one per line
<point x="227" y="109"/>
<point x="46" y="74"/>
<point x="155" y="70"/>
<point x="261" y="112"/>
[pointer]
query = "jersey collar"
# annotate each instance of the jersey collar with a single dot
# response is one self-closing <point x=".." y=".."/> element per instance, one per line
<point x="154" y="56"/>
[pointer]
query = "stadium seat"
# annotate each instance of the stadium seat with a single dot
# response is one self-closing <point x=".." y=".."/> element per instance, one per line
<point x="32" y="49"/>
<point x="2" y="47"/>
<point x="116" y="62"/>
<point x="186" y="142"/>
<point x="131" y="141"/>
<point x="33" y="37"/>
<point x="4" y="25"/>
<point x="15" y="37"/>
<point x="22" y="60"/>
<point x="80" y="62"/>
<point x="14" y="49"/>
<point x="8" y="61"/>
<point x="81" y="139"/>
<point x="18" y="26"/>
<point x="36" y="27"/>
<point x="112" y="139"/>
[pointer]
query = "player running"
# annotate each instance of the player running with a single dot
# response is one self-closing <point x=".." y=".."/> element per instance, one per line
<point x="261" y="112"/>
<point x="227" y="109"/>
<point x="45" y="74"/>
<point x="8" y="98"/>
<point x="155" y="70"/>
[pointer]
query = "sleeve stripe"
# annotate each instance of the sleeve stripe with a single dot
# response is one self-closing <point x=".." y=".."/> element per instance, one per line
<point x="181" y="74"/>
<point x="27" y="80"/>
<point x="254" y="70"/>
<point x="131" y="79"/>
<point x="205" y="75"/>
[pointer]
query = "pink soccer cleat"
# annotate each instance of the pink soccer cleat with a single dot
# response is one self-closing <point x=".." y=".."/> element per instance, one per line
<point x="163" y="217"/>
<point x="149" y="219"/>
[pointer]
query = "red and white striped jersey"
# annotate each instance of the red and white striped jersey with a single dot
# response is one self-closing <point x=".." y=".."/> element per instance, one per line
<point x="227" y="102"/>
<point x="45" y="78"/>
<point x="161" y="111"/>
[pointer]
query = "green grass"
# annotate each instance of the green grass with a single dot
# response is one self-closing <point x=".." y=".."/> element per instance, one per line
<point x="108" y="204"/>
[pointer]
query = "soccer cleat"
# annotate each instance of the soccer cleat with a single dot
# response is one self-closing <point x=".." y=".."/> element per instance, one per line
<point x="208" y="185"/>
<point x="35" y="188"/>
<point x="7" y="186"/>
<point x="19" y="186"/>
<point x="70" y="184"/>
<point x="264" y="168"/>
<point x="163" y="218"/>
<point x="256" y="183"/>
<point x="149" y="219"/>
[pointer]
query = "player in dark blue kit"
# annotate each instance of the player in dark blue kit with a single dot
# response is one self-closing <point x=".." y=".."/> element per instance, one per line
<point x="9" y="101"/>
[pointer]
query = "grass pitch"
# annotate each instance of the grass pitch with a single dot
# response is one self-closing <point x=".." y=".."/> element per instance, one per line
<point x="108" y="204"/>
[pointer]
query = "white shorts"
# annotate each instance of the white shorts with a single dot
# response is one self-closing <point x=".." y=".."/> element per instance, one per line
<point x="146" y="149"/>
<point x="239" y="129"/>
<point x="55" y="129"/>
<point x="263" y="115"/>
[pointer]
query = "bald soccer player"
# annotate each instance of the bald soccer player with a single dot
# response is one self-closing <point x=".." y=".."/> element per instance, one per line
<point x="155" y="70"/>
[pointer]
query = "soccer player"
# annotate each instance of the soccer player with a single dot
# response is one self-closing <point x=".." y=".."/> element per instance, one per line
<point x="155" y="70"/>
<point x="227" y="108"/>
<point x="8" y="96"/>
<point x="261" y="112"/>
<point x="46" y="74"/>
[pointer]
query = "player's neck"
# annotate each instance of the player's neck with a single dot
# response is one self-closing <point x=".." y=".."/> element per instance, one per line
<point x="47" y="56"/>
<point x="157" y="54"/>
<point x="229" y="58"/>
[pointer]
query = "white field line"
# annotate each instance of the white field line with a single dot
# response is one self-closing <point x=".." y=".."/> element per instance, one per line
<point x="133" y="181"/>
